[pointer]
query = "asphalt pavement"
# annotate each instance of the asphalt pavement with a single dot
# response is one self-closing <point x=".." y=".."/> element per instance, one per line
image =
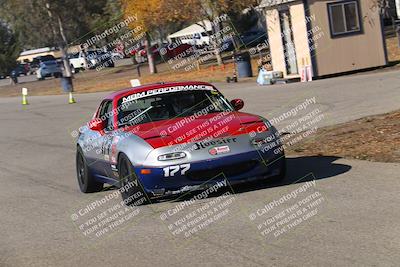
<point x="328" y="211"/>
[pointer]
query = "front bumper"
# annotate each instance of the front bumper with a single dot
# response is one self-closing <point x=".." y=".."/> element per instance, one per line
<point x="237" y="168"/>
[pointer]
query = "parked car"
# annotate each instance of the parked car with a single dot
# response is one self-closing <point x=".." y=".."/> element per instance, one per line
<point x="77" y="61"/>
<point x="90" y="60"/>
<point x="140" y="52"/>
<point x="172" y="50"/>
<point x="37" y="60"/>
<point x="48" y="69"/>
<point x="247" y="39"/>
<point x="154" y="49"/>
<point x="35" y="64"/>
<point x="22" y="69"/>
<point x="116" y="55"/>
<point x="105" y="59"/>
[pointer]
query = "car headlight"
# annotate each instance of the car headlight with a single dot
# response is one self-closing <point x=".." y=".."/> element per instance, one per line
<point x="172" y="156"/>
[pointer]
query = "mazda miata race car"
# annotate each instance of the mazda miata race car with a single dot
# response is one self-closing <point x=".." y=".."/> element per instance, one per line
<point x="169" y="138"/>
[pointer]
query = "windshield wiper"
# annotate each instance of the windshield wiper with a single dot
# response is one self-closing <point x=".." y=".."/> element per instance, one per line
<point x="140" y="114"/>
<point x="134" y="118"/>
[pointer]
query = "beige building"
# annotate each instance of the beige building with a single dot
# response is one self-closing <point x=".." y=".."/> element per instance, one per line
<point x="327" y="37"/>
<point x="29" y="55"/>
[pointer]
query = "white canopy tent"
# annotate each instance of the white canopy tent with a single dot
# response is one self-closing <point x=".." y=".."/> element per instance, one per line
<point x="194" y="34"/>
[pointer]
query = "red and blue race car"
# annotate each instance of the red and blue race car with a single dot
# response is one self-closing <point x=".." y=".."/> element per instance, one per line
<point x="169" y="138"/>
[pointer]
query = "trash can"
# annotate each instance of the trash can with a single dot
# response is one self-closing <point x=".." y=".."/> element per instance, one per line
<point x="243" y="62"/>
<point x="66" y="84"/>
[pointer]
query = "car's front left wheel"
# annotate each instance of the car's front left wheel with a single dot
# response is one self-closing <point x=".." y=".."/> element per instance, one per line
<point x="132" y="191"/>
<point x="86" y="181"/>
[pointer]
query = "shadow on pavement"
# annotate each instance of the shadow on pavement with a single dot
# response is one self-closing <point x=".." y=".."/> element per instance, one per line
<point x="300" y="170"/>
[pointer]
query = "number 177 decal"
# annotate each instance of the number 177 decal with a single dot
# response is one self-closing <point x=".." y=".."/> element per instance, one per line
<point x="172" y="170"/>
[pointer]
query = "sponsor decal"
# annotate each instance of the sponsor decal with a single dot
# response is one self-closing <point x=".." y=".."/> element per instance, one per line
<point x="219" y="150"/>
<point x="165" y="90"/>
<point x="114" y="170"/>
<point x="113" y="150"/>
<point x="205" y="144"/>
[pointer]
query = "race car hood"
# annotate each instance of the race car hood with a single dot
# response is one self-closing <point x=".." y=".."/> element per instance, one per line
<point x="197" y="128"/>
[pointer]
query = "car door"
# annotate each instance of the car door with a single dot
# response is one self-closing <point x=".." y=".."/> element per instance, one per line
<point x="103" y="140"/>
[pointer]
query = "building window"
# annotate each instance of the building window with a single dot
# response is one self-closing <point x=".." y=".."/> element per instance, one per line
<point x="344" y="18"/>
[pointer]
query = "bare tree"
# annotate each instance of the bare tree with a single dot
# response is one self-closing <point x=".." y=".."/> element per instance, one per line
<point x="61" y="38"/>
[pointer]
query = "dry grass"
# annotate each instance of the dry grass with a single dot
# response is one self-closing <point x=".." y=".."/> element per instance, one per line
<point x="375" y="138"/>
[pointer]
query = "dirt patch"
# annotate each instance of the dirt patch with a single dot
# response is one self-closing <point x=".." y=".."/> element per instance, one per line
<point x="374" y="138"/>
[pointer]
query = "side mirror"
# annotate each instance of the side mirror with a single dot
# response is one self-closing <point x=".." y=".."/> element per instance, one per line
<point x="237" y="104"/>
<point x="97" y="124"/>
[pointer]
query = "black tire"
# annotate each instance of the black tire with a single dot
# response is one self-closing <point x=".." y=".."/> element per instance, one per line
<point x="86" y="181"/>
<point x="127" y="176"/>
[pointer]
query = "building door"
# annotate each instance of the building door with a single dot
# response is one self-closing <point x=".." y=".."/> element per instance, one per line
<point x="288" y="42"/>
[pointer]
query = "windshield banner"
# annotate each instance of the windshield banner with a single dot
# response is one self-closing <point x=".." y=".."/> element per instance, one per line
<point x="166" y="90"/>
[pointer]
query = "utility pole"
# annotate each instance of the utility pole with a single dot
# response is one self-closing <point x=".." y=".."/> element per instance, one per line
<point x="150" y="56"/>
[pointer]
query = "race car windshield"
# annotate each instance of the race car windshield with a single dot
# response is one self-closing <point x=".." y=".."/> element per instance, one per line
<point x="171" y="105"/>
